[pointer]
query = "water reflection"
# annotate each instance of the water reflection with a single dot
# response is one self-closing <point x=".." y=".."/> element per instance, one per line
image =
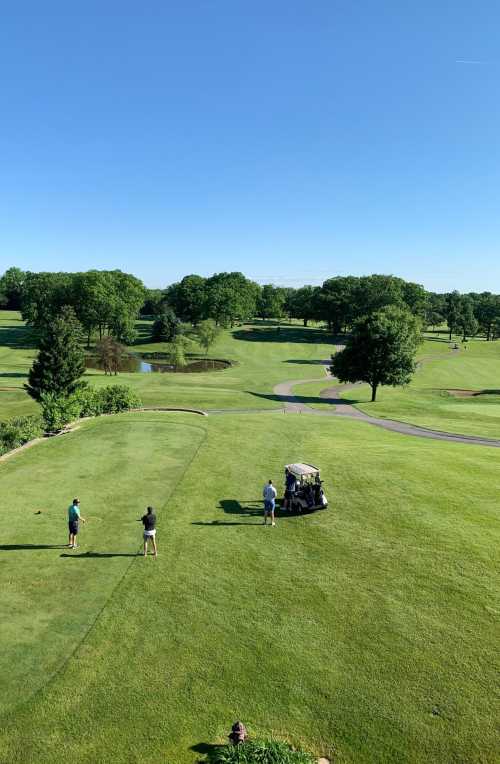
<point x="139" y="364"/>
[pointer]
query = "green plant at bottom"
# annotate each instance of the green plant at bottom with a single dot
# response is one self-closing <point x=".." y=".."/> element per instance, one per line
<point x="19" y="430"/>
<point x="58" y="411"/>
<point x="259" y="752"/>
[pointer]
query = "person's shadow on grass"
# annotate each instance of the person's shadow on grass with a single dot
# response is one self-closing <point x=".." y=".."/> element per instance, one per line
<point x="91" y="555"/>
<point x="33" y="547"/>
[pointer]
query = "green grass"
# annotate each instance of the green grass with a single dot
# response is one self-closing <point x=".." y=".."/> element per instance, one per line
<point x="262" y="357"/>
<point x="426" y="401"/>
<point x="366" y="631"/>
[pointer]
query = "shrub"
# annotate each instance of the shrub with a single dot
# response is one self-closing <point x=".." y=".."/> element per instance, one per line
<point x="116" y="398"/>
<point x="15" y="432"/>
<point x="89" y="401"/>
<point x="58" y="411"/>
<point x="259" y="752"/>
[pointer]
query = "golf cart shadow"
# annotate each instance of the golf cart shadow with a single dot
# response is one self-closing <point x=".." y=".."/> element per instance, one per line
<point x="252" y="509"/>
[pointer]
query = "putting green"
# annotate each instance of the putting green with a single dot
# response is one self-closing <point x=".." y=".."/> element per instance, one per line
<point x="366" y="631"/>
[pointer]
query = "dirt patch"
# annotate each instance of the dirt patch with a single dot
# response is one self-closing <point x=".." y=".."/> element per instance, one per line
<point x="323" y="760"/>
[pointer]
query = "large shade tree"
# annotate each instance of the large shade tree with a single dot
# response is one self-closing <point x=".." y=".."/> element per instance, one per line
<point x="188" y="298"/>
<point x="380" y="350"/>
<point x="453" y="310"/>
<point x="11" y="288"/>
<point x="303" y="303"/>
<point x="467" y="322"/>
<point x="271" y="301"/>
<point x="231" y="297"/>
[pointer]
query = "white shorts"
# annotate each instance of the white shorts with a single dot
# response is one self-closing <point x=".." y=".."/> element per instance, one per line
<point x="149" y="534"/>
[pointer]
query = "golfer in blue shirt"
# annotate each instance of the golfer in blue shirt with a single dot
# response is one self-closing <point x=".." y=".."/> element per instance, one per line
<point x="73" y="518"/>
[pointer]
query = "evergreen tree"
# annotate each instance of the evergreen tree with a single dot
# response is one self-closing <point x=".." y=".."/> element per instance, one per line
<point x="60" y="362"/>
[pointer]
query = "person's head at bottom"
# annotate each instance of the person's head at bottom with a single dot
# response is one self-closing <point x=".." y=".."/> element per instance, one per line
<point x="238" y="733"/>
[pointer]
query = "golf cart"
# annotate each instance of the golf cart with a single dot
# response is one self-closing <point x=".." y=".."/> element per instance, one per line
<point x="307" y="493"/>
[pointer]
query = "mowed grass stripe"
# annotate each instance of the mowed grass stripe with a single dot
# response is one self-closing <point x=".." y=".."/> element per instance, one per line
<point x="51" y="596"/>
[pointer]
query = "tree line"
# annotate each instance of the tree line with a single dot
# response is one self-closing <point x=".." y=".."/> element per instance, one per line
<point x="108" y="302"/>
<point x="104" y="302"/>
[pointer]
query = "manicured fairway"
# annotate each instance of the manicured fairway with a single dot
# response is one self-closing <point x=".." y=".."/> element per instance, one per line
<point x="427" y="402"/>
<point x="367" y="630"/>
<point x="264" y="357"/>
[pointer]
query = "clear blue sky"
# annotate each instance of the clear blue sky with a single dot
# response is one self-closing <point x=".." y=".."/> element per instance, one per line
<point x="290" y="140"/>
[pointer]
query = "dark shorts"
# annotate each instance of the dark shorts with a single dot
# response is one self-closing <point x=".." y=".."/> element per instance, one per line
<point x="73" y="526"/>
<point x="268" y="505"/>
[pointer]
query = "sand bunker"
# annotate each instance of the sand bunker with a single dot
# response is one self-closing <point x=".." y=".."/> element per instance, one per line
<point x="471" y="393"/>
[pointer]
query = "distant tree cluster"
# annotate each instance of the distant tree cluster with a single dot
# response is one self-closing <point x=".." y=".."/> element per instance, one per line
<point x="106" y="302"/>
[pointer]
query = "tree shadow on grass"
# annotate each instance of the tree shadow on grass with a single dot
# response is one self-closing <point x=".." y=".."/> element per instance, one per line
<point x="285" y="334"/>
<point x="103" y="555"/>
<point x="17" y="337"/>
<point x="309" y="362"/>
<point x="17" y="547"/>
<point x="305" y="399"/>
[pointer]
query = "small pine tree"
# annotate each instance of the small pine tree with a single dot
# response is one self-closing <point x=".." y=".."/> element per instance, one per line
<point x="61" y="361"/>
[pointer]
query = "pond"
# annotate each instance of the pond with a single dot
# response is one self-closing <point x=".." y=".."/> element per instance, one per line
<point x="146" y="364"/>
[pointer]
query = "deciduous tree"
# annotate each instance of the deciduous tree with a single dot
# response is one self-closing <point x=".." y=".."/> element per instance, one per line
<point x="381" y="349"/>
<point x="207" y="333"/>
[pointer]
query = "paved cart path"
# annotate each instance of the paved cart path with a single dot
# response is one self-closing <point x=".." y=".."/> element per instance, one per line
<point x="292" y="405"/>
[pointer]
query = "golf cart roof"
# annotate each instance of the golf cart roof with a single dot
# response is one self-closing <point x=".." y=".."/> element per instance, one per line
<point x="302" y="469"/>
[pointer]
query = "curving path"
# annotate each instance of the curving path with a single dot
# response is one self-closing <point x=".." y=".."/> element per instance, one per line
<point x="332" y="394"/>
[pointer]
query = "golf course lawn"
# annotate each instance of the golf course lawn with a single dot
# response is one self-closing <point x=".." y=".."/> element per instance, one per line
<point x="262" y="357"/>
<point x="367" y="632"/>
<point x="426" y="400"/>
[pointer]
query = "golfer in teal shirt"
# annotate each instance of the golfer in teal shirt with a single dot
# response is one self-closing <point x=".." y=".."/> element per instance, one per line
<point x="73" y="518"/>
